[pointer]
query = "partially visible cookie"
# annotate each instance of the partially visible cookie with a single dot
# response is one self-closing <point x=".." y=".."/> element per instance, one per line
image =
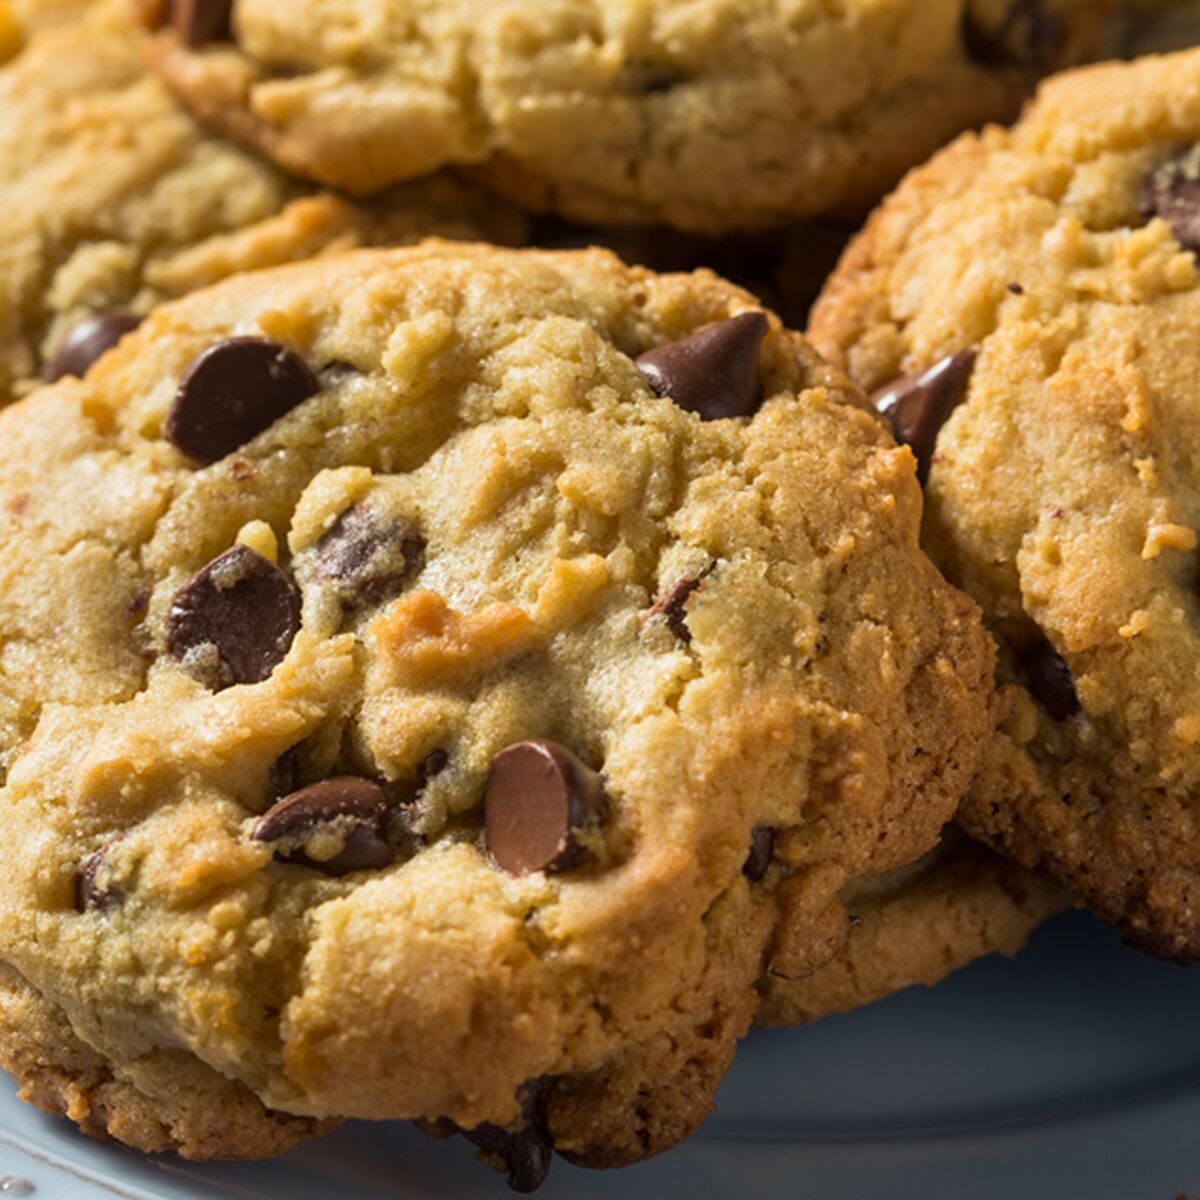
<point x="1027" y="305"/>
<point x="164" y="1100"/>
<point x="430" y="677"/>
<point x="916" y="926"/>
<point x="712" y="117"/>
<point x="115" y="200"/>
<point x="1156" y="26"/>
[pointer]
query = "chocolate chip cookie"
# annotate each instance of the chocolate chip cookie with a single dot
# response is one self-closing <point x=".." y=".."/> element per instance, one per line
<point x="115" y="200"/>
<point x="711" y="116"/>
<point x="430" y="678"/>
<point x="1026" y="307"/>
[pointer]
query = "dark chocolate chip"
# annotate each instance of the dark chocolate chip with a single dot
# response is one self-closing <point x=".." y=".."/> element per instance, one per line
<point x="356" y="808"/>
<point x="539" y="799"/>
<point x="1016" y="288"/>
<point x="713" y="372"/>
<point x="201" y="21"/>
<point x="1172" y="191"/>
<point x="88" y="341"/>
<point x="524" y="1154"/>
<point x="1026" y="36"/>
<point x="232" y="392"/>
<point x="919" y="405"/>
<point x="762" y="850"/>
<point x="285" y="772"/>
<point x="434" y="763"/>
<point x="235" y="619"/>
<point x="1049" y="681"/>
<point x="366" y="557"/>
<point x="672" y="605"/>
<point x="89" y="895"/>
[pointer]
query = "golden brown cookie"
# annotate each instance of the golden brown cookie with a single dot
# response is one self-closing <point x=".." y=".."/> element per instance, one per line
<point x="709" y="115"/>
<point x="440" y="672"/>
<point x="1027" y="303"/>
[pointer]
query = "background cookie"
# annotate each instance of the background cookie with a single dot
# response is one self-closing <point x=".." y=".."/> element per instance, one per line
<point x="115" y="200"/>
<point x="916" y="926"/>
<point x="1050" y="276"/>
<point x="718" y="116"/>
<point x="484" y="526"/>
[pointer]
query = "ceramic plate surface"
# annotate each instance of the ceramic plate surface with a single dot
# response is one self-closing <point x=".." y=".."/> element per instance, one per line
<point x="1073" y="1072"/>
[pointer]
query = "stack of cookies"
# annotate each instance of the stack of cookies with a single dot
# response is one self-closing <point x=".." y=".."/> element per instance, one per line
<point x="449" y="680"/>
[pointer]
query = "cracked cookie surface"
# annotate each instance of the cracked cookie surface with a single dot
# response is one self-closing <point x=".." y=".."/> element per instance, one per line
<point x="254" y="704"/>
<point x="1057" y="261"/>
<point x="710" y="115"/>
<point x="116" y="200"/>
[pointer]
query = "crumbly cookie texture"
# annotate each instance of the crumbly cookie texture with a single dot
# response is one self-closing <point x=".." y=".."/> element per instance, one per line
<point x="164" y="1100"/>
<point x="290" y="726"/>
<point x="1045" y="280"/>
<point x="710" y="115"/>
<point x="116" y="200"/>
<point x="916" y="926"/>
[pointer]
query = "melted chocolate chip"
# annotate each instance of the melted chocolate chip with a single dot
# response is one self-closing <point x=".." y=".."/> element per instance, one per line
<point x="672" y="605"/>
<point x="524" y="1154"/>
<point x="919" y="405"/>
<point x="762" y="851"/>
<point x="88" y="341"/>
<point x="1172" y="191"/>
<point x="347" y="805"/>
<point x="232" y="392"/>
<point x="1049" y="681"/>
<point x="234" y="620"/>
<point x="89" y="895"/>
<point x="366" y="557"/>
<point x="1027" y="36"/>
<point x="201" y="21"/>
<point x="539" y="799"/>
<point x="713" y="372"/>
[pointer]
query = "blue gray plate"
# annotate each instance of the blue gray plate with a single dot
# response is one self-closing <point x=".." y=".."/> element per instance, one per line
<point x="1073" y="1072"/>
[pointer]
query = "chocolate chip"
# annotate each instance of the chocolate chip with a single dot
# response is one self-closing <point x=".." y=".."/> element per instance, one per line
<point x="919" y="405"/>
<point x="714" y="372"/>
<point x="1049" y="681"/>
<point x="1016" y="288"/>
<point x="232" y="392"/>
<point x="347" y="805"/>
<point x="762" y="850"/>
<point x="1027" y="36"/>
<point x="201" y="21"/>
<point x="1172" y="191"/>
<point x="89" y="895"/>
<point x="365" y="557"/>
<point x="285" y="772"/>
<point x="235" y="619"/>
<point x="88" y="341"/>
<point x="524" y="1154"/>
<point x="434" y="763"/>
<point x="539" y="799"/>
<point x="672" y="605"/>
